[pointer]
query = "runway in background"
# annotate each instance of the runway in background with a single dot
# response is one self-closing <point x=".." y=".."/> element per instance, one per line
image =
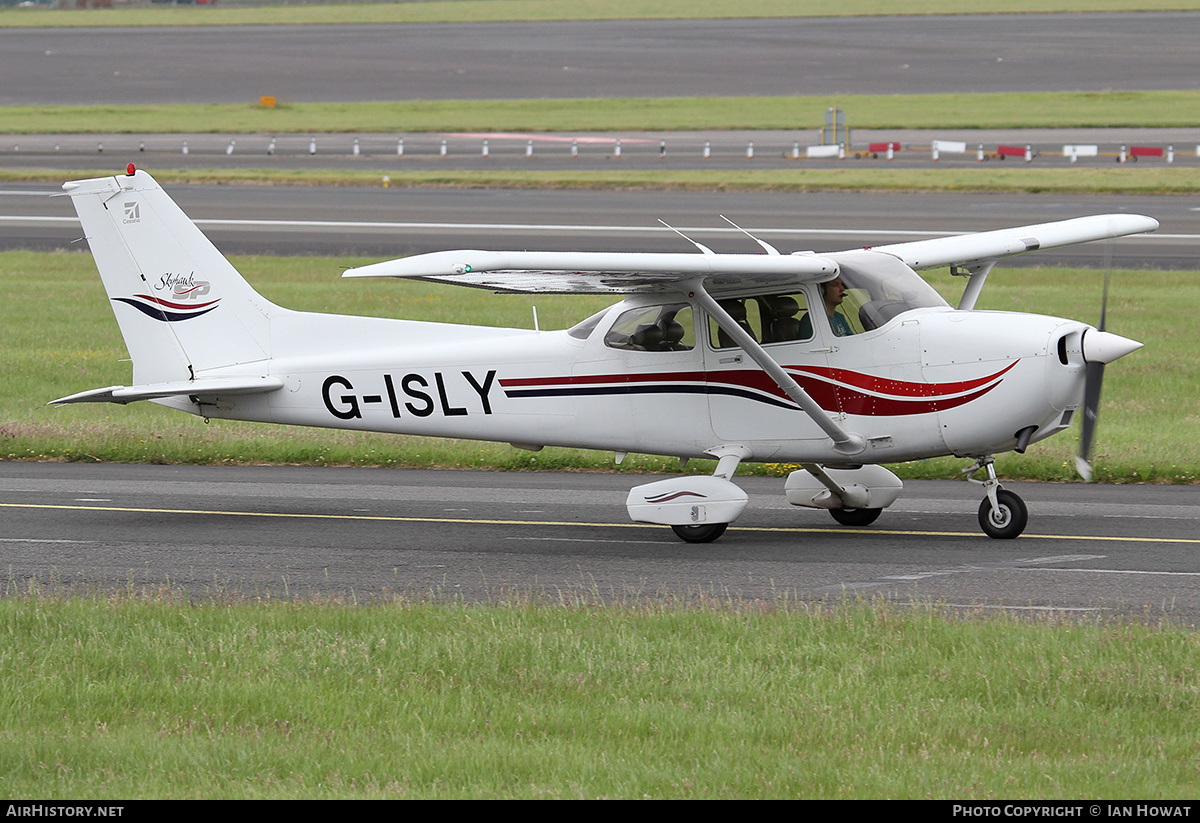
<point x="632" y="58"/>
<point x="386" y="223"/>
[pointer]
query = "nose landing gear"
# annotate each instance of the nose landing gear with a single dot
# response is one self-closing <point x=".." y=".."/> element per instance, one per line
<point x="1002" y="514"/>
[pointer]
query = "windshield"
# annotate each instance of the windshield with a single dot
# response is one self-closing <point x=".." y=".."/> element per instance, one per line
<point x="584" y="328"/>
<point x="880" y="287"/>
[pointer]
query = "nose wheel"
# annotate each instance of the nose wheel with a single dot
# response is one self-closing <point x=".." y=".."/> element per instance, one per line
<point x="1005" y="519"/>
<point x="1002" y="514"/>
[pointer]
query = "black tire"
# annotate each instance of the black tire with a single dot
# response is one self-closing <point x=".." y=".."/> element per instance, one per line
<point x="856" y="517"/>
<point x="1007" y="521"/>
<point x="706" y="533"/>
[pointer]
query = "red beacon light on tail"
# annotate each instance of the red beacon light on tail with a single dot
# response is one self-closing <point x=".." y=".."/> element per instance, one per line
<point x="131" y="170"/>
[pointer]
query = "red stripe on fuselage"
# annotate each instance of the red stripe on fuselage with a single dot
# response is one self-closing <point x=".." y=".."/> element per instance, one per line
<point x="833" y="389"/>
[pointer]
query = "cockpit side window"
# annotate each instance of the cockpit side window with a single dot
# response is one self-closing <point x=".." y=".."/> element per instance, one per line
<point x="654" y="328"/>
<point x="840" y="309"/>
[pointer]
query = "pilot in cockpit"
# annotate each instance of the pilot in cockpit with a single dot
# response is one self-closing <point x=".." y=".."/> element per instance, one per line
<point x="832" y="295"/>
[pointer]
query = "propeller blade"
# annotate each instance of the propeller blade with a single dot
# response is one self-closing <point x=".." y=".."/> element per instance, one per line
<point x="1091" y="410"/>
<point x="1094" y="376"/>
<point x="1104" y="298"/>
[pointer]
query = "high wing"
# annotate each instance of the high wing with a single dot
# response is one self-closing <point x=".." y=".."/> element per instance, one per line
<point x="967" y="249"/>
<point x="632" y="272"/>
<point x="601" y="272"/>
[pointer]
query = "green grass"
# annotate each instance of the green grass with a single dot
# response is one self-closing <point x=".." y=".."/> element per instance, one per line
<point x="137" y="694"/>
<point x="1079" y="109"/>
<point x="990" y="177"/>
<point x="1149" y="431"/>
<point x="231" y="13"/>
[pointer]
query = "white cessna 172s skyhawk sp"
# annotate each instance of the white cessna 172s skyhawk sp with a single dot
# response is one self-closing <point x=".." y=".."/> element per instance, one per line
<point x="837" y="362"/>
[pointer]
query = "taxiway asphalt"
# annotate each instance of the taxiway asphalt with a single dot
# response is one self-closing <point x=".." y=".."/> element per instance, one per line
<point x="371" y="534"/>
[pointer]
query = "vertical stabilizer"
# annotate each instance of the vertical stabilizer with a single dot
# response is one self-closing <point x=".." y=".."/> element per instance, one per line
<point x="182" y="307"/>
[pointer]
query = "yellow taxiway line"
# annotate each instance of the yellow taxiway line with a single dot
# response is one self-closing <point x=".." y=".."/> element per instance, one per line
<point x="577" y="524"/>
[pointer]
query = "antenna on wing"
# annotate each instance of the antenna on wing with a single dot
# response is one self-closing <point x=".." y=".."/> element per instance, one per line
<point x="767" y="247"/>
<point x="698" y="245"/>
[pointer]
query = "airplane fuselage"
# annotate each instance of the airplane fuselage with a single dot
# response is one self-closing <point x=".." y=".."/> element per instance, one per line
<point x="929" y="382"/>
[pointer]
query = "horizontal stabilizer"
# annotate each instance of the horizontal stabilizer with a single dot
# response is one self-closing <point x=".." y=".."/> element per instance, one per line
<point x="992" y="245"/>
<point x="204" y="387"/>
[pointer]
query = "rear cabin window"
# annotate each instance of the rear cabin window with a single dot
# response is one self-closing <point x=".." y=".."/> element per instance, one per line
<point x="771" y="318"/>
<point x="654" y="328"/>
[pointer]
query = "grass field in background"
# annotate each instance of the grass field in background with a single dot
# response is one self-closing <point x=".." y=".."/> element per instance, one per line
<point x="1072" y="109"/>
<point x="1149" y="430"/>
<point x="982" y="177"/>
<point x="233" y="13"/>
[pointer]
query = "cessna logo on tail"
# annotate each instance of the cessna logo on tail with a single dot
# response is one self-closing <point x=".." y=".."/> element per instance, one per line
<point x="133" y="212"/>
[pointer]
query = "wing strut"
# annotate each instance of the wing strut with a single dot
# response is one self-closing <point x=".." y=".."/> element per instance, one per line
<point x="847" y="443"/>
<point x="977" y="274"/>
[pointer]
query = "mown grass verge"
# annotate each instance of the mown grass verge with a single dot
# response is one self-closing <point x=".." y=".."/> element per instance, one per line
<point x="1079" y="109"/>
<point x="1149" y="431"/>
<point x="988" y="177"/>
<point x="139" y="694"/>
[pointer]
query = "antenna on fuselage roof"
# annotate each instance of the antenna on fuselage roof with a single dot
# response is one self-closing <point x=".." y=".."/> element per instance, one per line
<point x="767" y="247"/>
<point x="698" y="245"/>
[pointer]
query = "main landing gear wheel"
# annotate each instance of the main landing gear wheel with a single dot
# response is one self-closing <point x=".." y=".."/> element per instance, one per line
<point x="855" y="517"/>
<point x="706" y="533"/>
<point x="1007" y="520"/>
